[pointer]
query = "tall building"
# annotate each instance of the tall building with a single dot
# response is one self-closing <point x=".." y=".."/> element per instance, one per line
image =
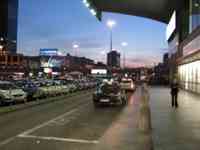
<point x="8" y="24"/>
<point x="183" y="35"/>
<point x="113" y="59"/>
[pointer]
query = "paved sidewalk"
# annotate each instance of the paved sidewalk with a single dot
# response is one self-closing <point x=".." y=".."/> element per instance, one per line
<point x="124" y="134"/>
<point x="175" y="129"/>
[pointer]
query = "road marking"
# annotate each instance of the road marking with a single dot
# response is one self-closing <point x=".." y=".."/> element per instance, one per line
<point x="7" y="141"/>
<point x="59" y="139"/>
<point x="27" y="132"/>
<point x="42" y="125"/>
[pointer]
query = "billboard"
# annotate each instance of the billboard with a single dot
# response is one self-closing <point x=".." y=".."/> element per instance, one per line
<point x="99" y="71"/>
<point x="171" y="26"/>
<point x="48" y="52"/>
<point x="53" y="61"/>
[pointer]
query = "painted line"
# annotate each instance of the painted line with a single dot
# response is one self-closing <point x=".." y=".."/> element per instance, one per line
<point x="59" y="139"/>
<point x="27" y="132"/>
<point x="7" y="141"/>
<point x="42" y="125"/>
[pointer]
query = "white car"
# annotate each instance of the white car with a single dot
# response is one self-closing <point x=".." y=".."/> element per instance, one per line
<point x="127" y="84"/>
<point x="9" y="93"/>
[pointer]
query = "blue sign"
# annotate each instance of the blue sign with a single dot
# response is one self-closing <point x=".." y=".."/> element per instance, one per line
<point x="49" y="52"/>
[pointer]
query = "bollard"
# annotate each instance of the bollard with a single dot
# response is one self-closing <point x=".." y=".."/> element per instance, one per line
<point x="144" y="112"/>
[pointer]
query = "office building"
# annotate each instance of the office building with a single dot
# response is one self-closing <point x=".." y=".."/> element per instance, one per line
<point x="183" y="35"/>
<point x="8" y="25"/>
<point x="113" y="59"/>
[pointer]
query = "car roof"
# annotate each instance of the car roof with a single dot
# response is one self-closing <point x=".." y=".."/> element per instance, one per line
<point x="5" y="82"/>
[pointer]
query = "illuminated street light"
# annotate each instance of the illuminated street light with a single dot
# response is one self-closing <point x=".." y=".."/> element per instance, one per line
<point x="76" y="46"/>
<point x="111" y="24"/>
<point x="1" y="47"/>
<point x="124" y="44"/>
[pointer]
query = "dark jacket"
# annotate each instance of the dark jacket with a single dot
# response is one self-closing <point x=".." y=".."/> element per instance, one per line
<point x="174" y="88"/>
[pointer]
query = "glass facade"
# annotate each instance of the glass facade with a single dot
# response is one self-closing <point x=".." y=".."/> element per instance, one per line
<point x="8" y="23"/>
<point x="194" y="14"/>
<point x="189" y="75"/>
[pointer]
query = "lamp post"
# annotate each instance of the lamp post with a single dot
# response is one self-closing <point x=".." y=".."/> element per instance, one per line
<point x="75" y="47"/>
<point x="124" y="44"/>
<point x="111" y="24"/>
<point x="1" y="47"/>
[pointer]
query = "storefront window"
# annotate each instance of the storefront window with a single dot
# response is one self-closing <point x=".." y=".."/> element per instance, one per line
<point x="195" y="14"/>
<point x="190" y="76"/>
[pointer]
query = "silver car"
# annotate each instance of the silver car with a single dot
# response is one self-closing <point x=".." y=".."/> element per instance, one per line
<point x="9" y="93"/>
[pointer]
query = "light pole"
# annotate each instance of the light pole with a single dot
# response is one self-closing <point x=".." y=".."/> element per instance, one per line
<point x="111" y="24"/>
<point x="76" y="46"/>
<point x="1" y="47"/>
<point x="124" y="44"/>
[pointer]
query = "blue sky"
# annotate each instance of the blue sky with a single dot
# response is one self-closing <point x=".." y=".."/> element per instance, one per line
<point x="60" y="23"/>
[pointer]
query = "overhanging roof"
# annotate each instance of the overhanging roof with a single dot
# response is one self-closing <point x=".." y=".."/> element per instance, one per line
<point x="160" y="10"/>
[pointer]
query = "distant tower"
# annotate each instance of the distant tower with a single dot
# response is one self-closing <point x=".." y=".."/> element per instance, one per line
<point x="113" y="59"/>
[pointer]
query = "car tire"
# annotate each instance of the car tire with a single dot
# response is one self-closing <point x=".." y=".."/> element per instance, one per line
<point x="124" y="101"/>
<point x="96" y="105"/>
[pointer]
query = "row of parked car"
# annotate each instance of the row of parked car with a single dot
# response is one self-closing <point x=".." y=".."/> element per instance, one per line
<point x="28" y="90"/>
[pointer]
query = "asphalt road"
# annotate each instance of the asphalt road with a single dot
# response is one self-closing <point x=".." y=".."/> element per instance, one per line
<point x="68" y="124"/>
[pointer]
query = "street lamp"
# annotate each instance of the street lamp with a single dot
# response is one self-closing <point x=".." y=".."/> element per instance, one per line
<point x="1" y="47"/>
<point x="124" y="44"/>
<point x="76" y="46"/>
<point x="111" y="24"/>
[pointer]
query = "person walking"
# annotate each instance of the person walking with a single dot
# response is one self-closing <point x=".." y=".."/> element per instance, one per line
<point x="174" y="93"/>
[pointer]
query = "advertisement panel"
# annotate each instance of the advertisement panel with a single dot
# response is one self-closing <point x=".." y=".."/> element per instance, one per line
<point x="48" y="52"/>
<point x="99" y="71"/>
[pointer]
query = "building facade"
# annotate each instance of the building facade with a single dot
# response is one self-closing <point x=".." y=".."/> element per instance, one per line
<point x="113" y="59"/>
<point x="8" y="24"/>
<point x="184" y="45"/>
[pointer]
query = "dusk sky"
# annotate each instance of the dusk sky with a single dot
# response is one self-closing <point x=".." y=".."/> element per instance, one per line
<point x="60" y="23"/>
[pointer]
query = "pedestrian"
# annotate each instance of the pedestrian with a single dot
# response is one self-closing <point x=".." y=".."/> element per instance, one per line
<point x="174" y="93"/>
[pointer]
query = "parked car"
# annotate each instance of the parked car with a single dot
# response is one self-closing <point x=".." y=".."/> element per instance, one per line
<point x="9" y="93"/>
<point x="109" y="93"/>
<point x="127" y="84"/>
<point x="29" y="87"/>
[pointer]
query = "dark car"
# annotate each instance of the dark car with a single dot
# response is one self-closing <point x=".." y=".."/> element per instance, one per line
<point x="108" y="94"/>
<point x="29" y="87"/>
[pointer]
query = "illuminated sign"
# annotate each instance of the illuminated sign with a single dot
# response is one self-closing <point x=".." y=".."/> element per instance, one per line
<point x="171" y="26"/>
<point x="99" y="71"/>
<point x="93" y="10"/>
<point x="192" y="47"/>
<point x="47" y="70"/>
<point x="48" y="52"/>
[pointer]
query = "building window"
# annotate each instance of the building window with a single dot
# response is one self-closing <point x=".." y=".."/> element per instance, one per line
<point x="189" y="75"/>
<point x="194" y="14"/>
<point x="15" y="59"/>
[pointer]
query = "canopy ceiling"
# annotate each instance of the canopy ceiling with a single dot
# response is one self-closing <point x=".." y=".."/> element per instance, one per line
<point x="160" y="10"/>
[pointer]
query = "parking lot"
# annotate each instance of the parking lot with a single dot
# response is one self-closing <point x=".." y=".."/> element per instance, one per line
<point x="72" y="123"/>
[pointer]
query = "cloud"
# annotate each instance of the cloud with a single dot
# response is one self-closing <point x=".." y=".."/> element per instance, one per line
<point x="142" y="61"/>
